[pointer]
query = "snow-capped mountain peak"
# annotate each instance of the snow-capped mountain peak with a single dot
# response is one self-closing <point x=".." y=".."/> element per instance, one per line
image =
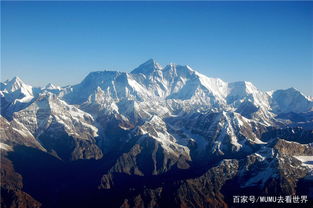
<point x="14" y="84"/>
<point x="51" y="86"/>
<point x="147" y="67"/>
<point x="152" y="122"/>
<point x="17" y="84"/>
<point x="290" y="100"/>
<point x="179" y="84"/>
<point x="16" y="90"/>
<point x="48" y="108"/>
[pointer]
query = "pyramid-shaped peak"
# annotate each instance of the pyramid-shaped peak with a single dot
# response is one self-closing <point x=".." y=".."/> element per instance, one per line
<point x="149" y="61"/>
<point x="15" y="84"/>
<point x="51" y="86"/>
<point x="153" y="63"/>
<point x="147" y="67"/>
<point x="16" y="80"/>
<point x="20" y="90"/>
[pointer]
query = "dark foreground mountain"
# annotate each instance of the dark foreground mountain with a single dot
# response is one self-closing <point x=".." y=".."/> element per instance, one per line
<point x="155" y="137"/>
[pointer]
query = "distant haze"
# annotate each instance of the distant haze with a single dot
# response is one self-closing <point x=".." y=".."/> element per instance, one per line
<point x="267" y="43"/>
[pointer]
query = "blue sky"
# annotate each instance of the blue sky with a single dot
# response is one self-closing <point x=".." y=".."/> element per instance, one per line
<point x="267" y="43"/>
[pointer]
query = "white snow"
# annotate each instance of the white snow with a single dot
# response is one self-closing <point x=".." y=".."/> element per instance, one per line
<point x="156" y="129"/>
<point x="306" y="160"/>
<point x="16" y="91"/>
<point x="153" y="93"/>
<point x="290" y="100"/>
<point x="5" y="147"/>
<point x="51" y="86"/>
<point x="38" y="116"/>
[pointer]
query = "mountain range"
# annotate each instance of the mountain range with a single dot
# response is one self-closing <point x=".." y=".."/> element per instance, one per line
<point x="155" y="137"/>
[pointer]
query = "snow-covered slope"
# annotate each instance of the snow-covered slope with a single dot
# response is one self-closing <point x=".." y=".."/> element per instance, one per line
<point x="150" y="83"/>
<point x="48" y="108"/>
<point x="239" y="110"/>
<point x="164" y="124"/>
<point x="290" y="100"/>
<point x="15" y="133"/>
<point x="15" y="95"/>
<point x="239" y="92"/>
<point x="17" y="91"/>
<point x="59" y="126"/>
<point x="147" y="68"/>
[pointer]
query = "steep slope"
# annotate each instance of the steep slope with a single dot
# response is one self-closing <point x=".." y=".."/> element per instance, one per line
<point x="11" y="187"/>
<point x="290" y="100"/>
<point x="62" y="129"/>
<point x="154" y="137"/>
<point x="15" y="95"/>
<point x="15" y="133"/>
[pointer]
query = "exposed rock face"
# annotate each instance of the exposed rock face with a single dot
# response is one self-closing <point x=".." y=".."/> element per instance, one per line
<point x="14" y="133"/>
<point x="12" y="195"/>
<point x="156" y="137"/>
<point x="292" y="148"/>
<point x="203" y="191"/>
<point x="61" y="129"/>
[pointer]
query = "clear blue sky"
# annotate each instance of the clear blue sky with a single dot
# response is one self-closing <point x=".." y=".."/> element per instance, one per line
<point x="267" y="43"/>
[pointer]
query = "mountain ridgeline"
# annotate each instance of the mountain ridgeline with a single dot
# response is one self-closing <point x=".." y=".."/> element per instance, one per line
<point x="155" y="137"/>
